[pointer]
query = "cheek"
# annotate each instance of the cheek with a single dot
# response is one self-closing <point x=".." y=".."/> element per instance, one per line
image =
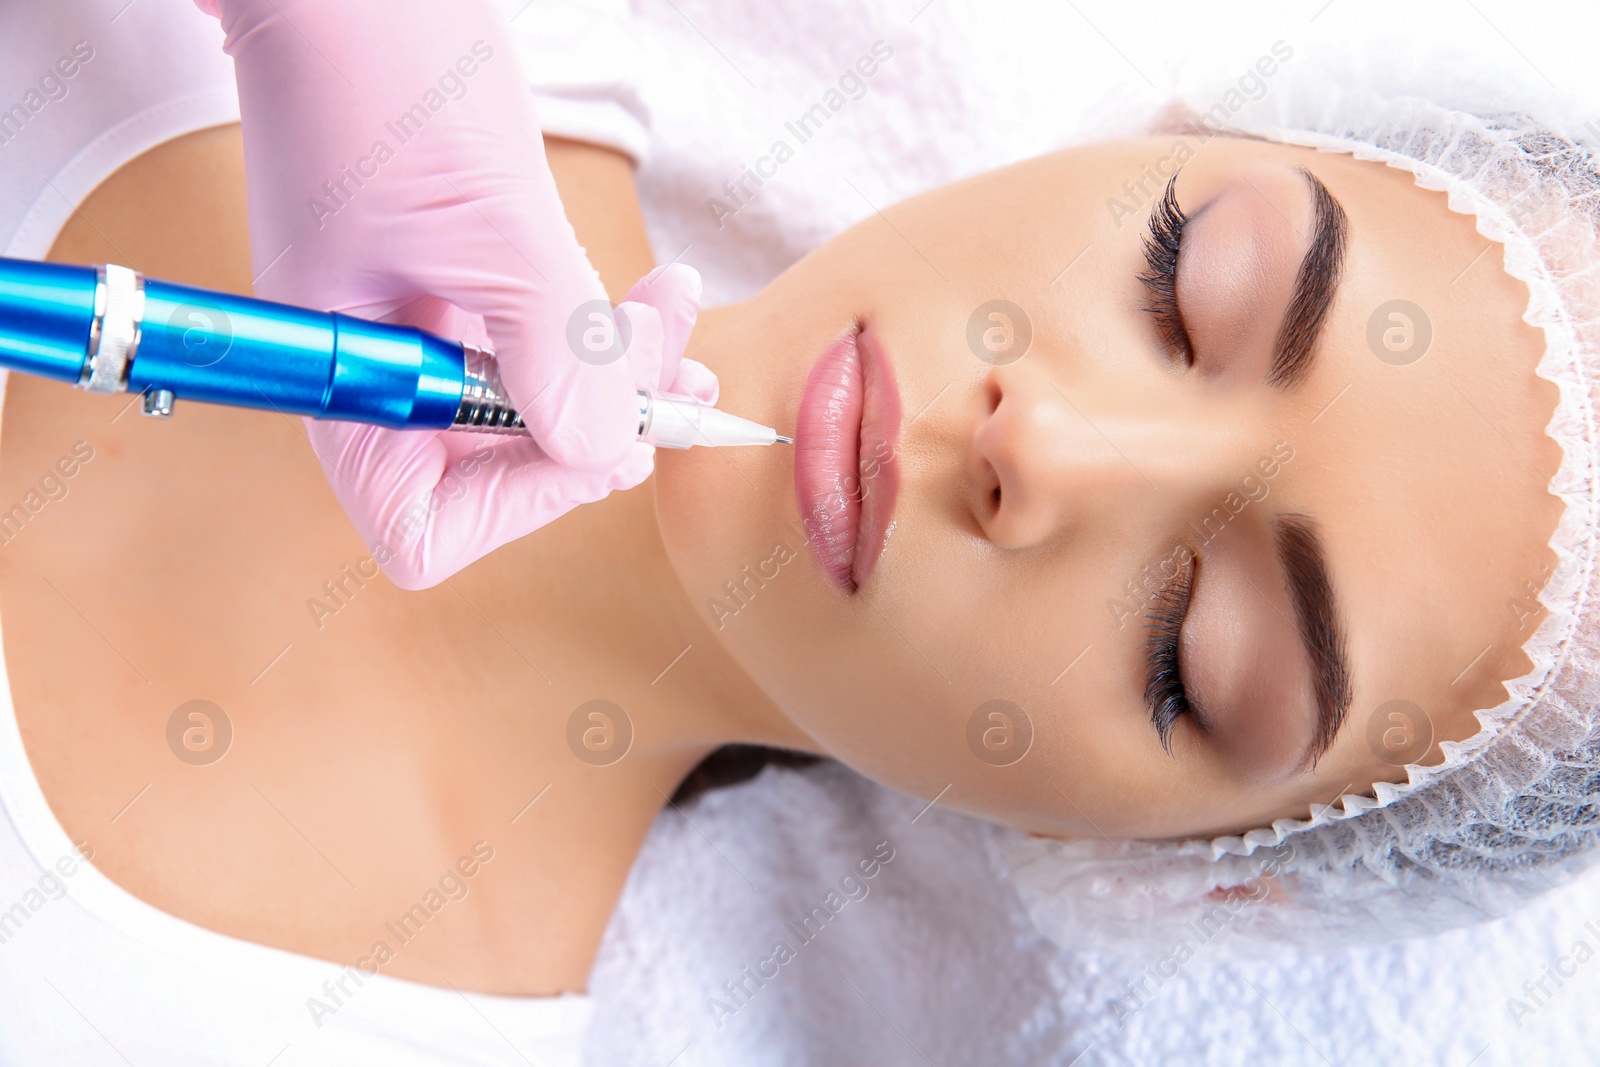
<point x="886" y="684"/>
<point x="894" y="681"/>
<point x="898" y="685"/>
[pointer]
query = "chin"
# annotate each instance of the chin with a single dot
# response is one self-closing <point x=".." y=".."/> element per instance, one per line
<point x="729" y="518"/>
<point x="718" y="514"/>
<point x="695" y="514"/>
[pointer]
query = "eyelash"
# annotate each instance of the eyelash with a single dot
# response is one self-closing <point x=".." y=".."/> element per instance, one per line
<point x="1160" y="278"/>
<point x="1164" y="693"/>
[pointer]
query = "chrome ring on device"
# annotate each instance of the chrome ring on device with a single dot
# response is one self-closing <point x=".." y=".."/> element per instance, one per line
<point x="114" y="336"/>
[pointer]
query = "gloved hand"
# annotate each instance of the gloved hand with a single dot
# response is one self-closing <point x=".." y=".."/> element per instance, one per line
<point x="396" y="171"/>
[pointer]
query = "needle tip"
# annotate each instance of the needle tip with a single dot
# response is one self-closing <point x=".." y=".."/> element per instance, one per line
<point x="785" y="440"/>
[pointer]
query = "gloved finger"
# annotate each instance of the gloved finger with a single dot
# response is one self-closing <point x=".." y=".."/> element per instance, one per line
<point x="428" y="505"/>
<point x="645" y="344"/>
<point x="516" y="262"/>
<point x="499" y="489"/>
<point x="467" y="212"/>
<point x="432" y="314"/>
<point x="377" y="474"/>
<point x="696" y="379"/>
<point x="674" y="291"/>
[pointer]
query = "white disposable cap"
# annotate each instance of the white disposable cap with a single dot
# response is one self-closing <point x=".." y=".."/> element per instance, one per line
<point x="674" y="422"/>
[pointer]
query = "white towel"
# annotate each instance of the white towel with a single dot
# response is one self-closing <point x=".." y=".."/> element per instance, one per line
<point x="939" y="964"/>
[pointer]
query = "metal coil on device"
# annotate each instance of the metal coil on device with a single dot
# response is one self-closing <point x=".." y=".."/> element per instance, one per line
<point x="484" y="405"/>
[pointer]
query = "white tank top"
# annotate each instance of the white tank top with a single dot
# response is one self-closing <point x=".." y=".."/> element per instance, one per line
<point x="90" y="974"/>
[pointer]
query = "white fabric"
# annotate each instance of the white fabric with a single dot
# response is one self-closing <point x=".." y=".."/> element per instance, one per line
<point x="944" y="956"/>
<point x="71" y="133"/>
<point x="584" y="92"/>
<point x="89" y="974"/>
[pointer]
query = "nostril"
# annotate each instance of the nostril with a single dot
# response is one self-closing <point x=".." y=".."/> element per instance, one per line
<point x="992" y="476"/>
<point x="993" y="394"/>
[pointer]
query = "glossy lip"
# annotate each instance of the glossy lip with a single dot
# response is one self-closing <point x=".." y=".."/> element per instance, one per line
<point x="846" y="473"/>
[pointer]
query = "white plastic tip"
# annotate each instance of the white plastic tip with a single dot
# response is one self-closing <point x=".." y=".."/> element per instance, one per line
<point x="675" y="422"/>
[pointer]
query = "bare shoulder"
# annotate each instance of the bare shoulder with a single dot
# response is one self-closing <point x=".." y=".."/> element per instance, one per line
<point x="176" y="212"/>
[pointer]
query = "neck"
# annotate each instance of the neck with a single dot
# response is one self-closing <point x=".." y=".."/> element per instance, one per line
<point x="603" y="572"/>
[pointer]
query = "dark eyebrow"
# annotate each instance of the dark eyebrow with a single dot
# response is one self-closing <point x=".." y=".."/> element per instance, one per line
<point x="1321" y="630"/>
<point x="1314" y="287"/>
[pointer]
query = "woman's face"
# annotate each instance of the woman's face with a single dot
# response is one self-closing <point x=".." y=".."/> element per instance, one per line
<point x="1294" y="517"/>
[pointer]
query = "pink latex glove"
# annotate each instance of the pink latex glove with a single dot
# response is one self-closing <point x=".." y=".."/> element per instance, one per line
<point x="395" y="170"/>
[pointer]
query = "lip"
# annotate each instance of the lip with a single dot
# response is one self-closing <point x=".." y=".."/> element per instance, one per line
<point x="846" y="473"/>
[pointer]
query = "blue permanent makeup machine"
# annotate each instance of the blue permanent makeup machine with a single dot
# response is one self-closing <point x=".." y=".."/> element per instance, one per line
<point x="109" y="329"/>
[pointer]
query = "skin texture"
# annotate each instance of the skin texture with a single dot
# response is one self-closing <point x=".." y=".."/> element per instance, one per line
<point x="374" y="747"/>
<point x="1107" y="451"/>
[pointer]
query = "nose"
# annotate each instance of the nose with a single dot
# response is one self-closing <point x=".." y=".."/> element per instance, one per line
<point x="1050" y="455"/>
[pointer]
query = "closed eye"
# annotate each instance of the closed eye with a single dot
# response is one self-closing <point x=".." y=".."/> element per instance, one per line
<point x="1160" y="278"/>
<point x="1164" y="692"/>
